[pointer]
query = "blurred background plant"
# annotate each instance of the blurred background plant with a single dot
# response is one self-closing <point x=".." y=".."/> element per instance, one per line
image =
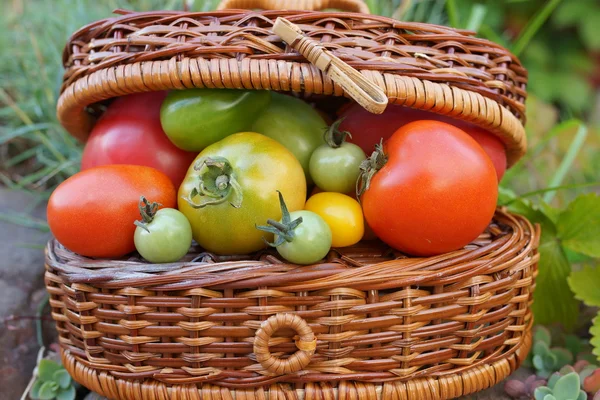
<point x="554" y="185"/>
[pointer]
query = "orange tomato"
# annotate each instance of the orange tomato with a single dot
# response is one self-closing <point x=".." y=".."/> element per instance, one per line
<point x="93" y="212"/>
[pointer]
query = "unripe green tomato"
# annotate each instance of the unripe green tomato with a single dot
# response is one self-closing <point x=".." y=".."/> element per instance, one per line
<point x="336" y="169"/>
<point x="167" y="238"/>
<point x="311" y="241"/>
<point x="194" y="119"/>
<point x="294" y="124"/>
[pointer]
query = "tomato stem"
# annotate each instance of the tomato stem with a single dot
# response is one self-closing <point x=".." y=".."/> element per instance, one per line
<point x="334" y="137"/>
<point x="368" y="169"/>
<point x="147" y="211"/>
<point x="283" y="230"/>
<point x="216" y="184"/>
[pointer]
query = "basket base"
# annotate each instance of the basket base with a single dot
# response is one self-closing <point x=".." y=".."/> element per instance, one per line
<point x="443" y="387"/>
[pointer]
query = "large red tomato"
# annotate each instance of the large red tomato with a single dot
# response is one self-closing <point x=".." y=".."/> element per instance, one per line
<point x="93" y="212"/>
<point x="368" y="129"/>
<point x="436" y="192"/>
<point x="130" y="132"/>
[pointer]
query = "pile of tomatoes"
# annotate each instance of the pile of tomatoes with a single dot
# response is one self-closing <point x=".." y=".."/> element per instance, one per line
<point x="231" y="169"/>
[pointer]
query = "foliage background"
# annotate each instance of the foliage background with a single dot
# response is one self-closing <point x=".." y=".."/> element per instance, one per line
<point x="558" y="41"/>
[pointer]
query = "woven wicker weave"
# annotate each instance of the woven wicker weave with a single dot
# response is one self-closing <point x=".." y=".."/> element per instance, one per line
<point x="432" y="328"/>
<point x="367" y="323"/>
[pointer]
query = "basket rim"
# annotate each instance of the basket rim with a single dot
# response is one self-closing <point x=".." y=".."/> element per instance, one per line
<point x="93" y="76"/>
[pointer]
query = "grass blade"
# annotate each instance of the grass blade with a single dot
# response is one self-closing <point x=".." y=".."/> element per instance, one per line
<point x="452" y="12"/>
<point x="567" y="162"/>
<point x="476" y="17"/>
<point x="533" y="26"/>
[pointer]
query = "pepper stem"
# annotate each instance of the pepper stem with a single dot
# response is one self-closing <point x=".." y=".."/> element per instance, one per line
<point x="368" y="169"/>
<point x="334" y="137"/>
<point x="216" y="185"/>
<point x="283" y="230"/>
<point x="147" y="211"/>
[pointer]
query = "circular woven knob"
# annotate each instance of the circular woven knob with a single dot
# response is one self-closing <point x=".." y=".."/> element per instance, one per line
<point x="306" y="343"/>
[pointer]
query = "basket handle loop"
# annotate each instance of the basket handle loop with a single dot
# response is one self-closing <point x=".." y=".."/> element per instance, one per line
<point x="365" y="92"/>
<point x="306" y="343"/>
<point x="308" y="5"/>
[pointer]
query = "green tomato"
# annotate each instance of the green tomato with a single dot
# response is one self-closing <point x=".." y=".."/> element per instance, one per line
<point x="336" y="169"/>
<point x="167" y="238"/>
<point x="232" y="187"/>
<point x="311" y="239"/>
<point x="196" y="118"/>
<point x="294" y="124"/>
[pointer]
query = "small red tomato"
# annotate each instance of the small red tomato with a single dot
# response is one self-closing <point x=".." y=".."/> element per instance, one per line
<point x="93" y="212"/>
<point x="368" y="129"/>
<point x="434" y="192"/>
<point x="130" y="132"/>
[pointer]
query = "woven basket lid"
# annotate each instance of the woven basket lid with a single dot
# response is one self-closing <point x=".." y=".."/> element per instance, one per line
<point x="423" y="66"/>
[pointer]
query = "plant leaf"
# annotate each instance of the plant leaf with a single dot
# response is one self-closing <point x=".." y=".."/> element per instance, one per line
<point x="62" y="377"/>
<point x="47" y="368"/>
<point x="595" y="340"/>
<point x="48" y="390"/>
<point x="34" y="393"/>
<point x="567" y="387"/>
<point x="578" y="226"/>
<point x="589" y="29"/>
<point x="541" y="392"/>
<point x="67" y="394"/>
<point x="542" y="334"/>
<point x="553" y="300"/>
<point x="585" y="283"/>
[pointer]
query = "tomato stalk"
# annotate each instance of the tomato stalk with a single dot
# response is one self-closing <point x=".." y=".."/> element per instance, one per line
<point x="334" y="137"/>
<point x="284" y="230"/>
<point x="147" y="211"/>
<point x="368" y="169"/>
<point x="216" y="183"/>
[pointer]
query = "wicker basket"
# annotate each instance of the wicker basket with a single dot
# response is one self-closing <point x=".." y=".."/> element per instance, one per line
<point x="366" y="323"/>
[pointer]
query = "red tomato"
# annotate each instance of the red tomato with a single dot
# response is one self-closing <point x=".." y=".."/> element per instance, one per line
<point x="130" y="132"/>
<point x="92" y="213"/>
<point x="436" y="193"/>
<point x="368" y="129"/>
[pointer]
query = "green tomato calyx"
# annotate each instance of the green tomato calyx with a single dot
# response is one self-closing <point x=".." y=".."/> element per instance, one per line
<point x="334" y="137"/>
<point x="216" y="184"/>
<point x="284" y="230"/>
<point x="368" y="169"/>
<point x="147" y="210"/>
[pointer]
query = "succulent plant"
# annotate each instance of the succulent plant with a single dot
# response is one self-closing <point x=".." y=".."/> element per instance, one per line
<point x="53" y="382"/>
<point x="518" y="389"/>
<point x="590" y="379"/>
<point x="546" y="359"/>
<point x="561" y="387"/>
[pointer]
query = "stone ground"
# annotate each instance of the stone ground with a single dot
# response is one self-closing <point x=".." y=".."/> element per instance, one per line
<point x="21" y="290"/>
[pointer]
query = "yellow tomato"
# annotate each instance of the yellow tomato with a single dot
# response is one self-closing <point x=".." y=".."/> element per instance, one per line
<point x="342" y="213"/>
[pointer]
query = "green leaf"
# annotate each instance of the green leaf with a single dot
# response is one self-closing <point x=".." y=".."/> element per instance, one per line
<point x="542" y="335"/>
<point x="47" y="368"/>
<point x="541" y="392"/>
<point x="563" y="357"/>
<point x="579" y="225"/>
<point x="62" y="377"/>
<point x="549" y="397"/>
<point x="553" y="379"/>
<point x="553" y="301"/>
<point x="595" y="340"/>
<point x="34" y="393"/>
<point x="585" y="283"/>
<point x="48" y="390"/>
<point x="538" y="362"/>
<point x="589" y="29"/>
<point x="573" y="344"/>
<point x="582" y="395"/>
<point x="68" y="394"/>
<point x="567" y="387"/>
